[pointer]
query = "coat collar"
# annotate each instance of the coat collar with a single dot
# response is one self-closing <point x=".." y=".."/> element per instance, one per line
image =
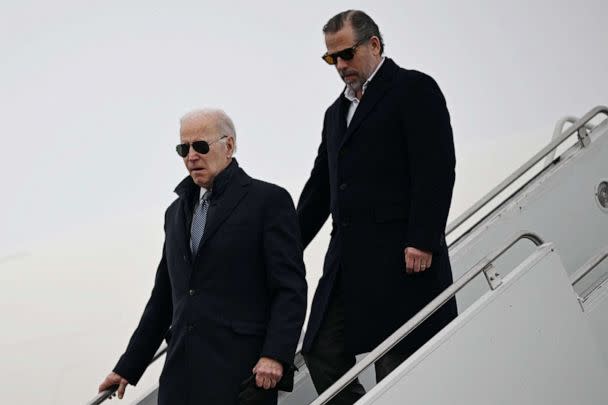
<point x="379" y="85"/>
<point x="222" y="205"/>
<point x="229" y="187"/>
<point x="187" y="189"/>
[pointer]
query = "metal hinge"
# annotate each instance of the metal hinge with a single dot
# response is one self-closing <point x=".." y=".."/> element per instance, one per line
<point x="581" y="302"/>
<point x="583" y="135"/>
<point x="492" y="276"/>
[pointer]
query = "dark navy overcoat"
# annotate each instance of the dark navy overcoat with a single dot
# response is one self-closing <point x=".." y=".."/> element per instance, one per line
<point x="242" y="296"/>
<point x="387" y="181"/>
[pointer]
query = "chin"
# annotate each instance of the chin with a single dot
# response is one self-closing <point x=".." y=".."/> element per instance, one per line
<point x="354" y="86"/>
<point x="199" y="181"/>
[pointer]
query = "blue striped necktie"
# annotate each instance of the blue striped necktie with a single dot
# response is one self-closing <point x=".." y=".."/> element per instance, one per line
<point x="199" y="219"/>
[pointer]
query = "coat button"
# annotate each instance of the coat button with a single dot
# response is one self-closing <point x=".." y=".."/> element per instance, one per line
<point x="192" y="292"/>
<point x="185" y="258"/>
<point x="345" y="223"/>
<point x="343" y="186"/>
<point x="191" y="327"/>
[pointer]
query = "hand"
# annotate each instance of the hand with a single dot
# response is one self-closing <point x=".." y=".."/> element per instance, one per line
<point x="417" y="260"/>
<point x="114" y="379"/>
<point x="267" y="372"/>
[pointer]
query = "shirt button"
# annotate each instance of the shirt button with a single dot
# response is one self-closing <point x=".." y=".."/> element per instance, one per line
<point x="192" y="292"/>
<point x="343" y="186"/>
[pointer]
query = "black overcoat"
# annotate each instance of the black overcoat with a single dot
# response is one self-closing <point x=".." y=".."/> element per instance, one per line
<point x="242" y="296"/>
<point x="387" y="182"/>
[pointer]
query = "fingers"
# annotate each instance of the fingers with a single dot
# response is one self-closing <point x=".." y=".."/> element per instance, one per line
<point x="417" y="264"/>
<point x="109" y="381"/>
<point x="264" y="382"/>
<point x="259" y="380"/>
<point x="121" y="388"/>
<point x="112" y="380"/>
<point x="268" y="372"/>
<point x="417" y="261"/>
<point x="409" y="262"/>
<point x="105" y="384"/>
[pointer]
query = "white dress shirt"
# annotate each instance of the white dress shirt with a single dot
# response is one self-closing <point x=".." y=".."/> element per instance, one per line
<point x="201" y="194"/>
<point x="354" y="101"/>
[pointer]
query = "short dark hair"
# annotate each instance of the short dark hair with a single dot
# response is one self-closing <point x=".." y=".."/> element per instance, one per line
<point x="363" y="26"/>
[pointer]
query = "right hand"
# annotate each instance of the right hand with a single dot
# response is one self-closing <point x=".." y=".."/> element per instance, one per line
<point x="113" y="379"/>
<point x="416" y="260"/>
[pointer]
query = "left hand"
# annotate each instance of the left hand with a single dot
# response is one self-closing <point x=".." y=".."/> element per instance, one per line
<point x="417" y="260"/>
<point x="267" y="372"/>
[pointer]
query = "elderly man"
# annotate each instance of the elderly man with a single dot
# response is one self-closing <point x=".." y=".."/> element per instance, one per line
<point x="385" y="172"/>
<point x="230" y="284"/>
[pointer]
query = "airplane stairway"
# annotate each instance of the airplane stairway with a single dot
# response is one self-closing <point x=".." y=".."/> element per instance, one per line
<point x="533" y="317"/>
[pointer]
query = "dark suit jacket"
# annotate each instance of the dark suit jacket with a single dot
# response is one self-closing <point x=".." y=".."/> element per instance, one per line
<point x="387" y="181"/>
<point x="242" y="296"/>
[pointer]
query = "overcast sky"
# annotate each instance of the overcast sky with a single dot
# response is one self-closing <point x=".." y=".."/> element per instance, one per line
<point x="91" y="94"/>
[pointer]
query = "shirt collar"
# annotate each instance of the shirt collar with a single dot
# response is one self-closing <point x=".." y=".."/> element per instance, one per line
<point x="202" y="193"/>
<point x="350" y="94"/>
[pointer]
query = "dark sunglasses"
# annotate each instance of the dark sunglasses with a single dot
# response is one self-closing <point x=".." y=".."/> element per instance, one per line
<point x="346" y="54"/>
<point x="201" y="147"/>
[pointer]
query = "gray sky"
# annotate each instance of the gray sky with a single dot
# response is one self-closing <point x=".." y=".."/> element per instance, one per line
<point x="90" y="101"/>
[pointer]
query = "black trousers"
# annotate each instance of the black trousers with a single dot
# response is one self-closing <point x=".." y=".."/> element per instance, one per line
<point x="328" y="360"/>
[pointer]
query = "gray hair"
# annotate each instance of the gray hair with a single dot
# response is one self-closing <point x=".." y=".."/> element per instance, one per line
<point x="363" y="26"/>
<point x="223" y="123"/>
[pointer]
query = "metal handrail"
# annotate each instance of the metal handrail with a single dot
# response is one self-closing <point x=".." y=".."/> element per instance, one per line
<point x="579" y="125"/>
<point x="570" y="119"/>
<point x="589" y="266"/>
<point x="417" y="319"/>
<point x="559" y="129"/>
<point x="103" y="395"/>
<point x="467" y="277"/>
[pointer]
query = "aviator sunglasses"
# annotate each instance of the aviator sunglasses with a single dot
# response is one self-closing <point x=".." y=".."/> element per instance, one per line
<point x="346" y="54"/>
<point x="201" y="147"/>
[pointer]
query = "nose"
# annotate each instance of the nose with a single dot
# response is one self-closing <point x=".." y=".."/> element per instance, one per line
<point x="341" y="63"/>
<point x="192" y="154"/>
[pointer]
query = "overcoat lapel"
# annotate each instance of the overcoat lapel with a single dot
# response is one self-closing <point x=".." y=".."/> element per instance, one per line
<point x="342" y="110"/>
<point x="186" y="219"/>
<point x="186" y="190"/>
<point x="379" y="85"/>
<point x="225" y="205"/>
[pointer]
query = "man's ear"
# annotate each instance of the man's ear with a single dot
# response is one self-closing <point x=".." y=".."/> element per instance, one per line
<point x="375" y="43"/>
<point x="230" y="147"/>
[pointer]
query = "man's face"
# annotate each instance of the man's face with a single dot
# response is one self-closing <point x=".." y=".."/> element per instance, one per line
<point x="204" y="167"/>
<point x="356" y="71"/>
